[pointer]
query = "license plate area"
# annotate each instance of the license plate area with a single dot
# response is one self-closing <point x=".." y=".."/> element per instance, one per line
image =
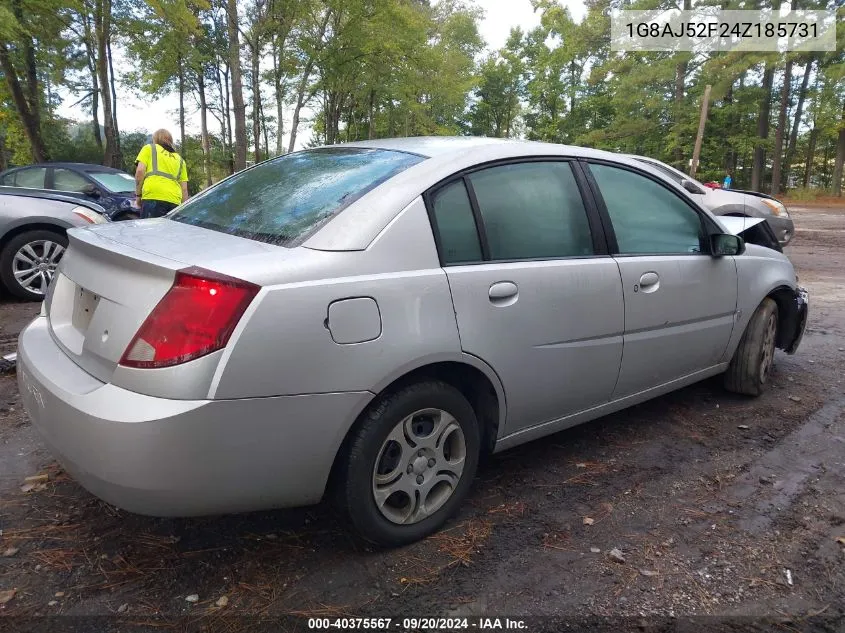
<point x="85" y="303"/>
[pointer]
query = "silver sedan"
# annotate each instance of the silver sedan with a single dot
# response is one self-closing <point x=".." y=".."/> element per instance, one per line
<point x="33" y="228"/>
<point x="370" y="318"/>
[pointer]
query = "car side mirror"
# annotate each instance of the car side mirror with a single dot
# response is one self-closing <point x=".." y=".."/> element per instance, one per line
<point x="91" y="190"/>
<point x="723" y="244"/>
<point x="690" y="186"/>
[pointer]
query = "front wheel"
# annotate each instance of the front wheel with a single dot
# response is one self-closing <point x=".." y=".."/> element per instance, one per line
<point x="410" y="464"/>
<point x="752" y="362"/>
<point x="29" y="261"/>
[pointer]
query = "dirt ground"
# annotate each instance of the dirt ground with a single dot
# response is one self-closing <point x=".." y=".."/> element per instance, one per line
<point x="720" y="505"/>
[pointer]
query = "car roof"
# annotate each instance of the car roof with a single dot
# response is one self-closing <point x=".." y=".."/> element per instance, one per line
<point x="361" y="222"/>
<point x="441" y="146"/>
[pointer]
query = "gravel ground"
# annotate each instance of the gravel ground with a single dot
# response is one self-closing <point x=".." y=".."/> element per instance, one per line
<point x="700" y="503"/>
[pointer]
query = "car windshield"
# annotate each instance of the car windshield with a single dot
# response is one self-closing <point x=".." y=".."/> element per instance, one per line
<point x="285" y="199"/>
<point x="114" y="181"/>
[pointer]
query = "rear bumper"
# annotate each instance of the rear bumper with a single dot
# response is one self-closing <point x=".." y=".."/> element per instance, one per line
<point x="180" y="457"/>
<point x="795" y="323"/>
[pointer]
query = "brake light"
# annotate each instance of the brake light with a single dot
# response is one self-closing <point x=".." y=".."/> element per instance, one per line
<point x="196" y="317"/>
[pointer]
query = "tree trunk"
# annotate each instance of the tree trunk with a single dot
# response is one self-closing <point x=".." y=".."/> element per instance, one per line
<point x="759" y="167"/>
<point x="28" y="104"/>
<point x="229" y="122"/>
<point x="811" y="154"/>
<point x="102" y="26"/>
<point x="181" y="78"/>
<point x="224" y="121"/>
<point x="799" y="110"/>
<point x="206" y="145"/>
<point x="237" y="84"/>
<point x="371" y="129"/>
<point x="113" y="96"/>
<point x="264" y="131"/>
<point x="777" y="156"/>
<point x="303" y="85"/>
<point x="256" y="98"/>
<point x="278" y="84"/>
<point x="95" y="84"/>
<point x="28" y="119"/>
<point x="840" y="156"/>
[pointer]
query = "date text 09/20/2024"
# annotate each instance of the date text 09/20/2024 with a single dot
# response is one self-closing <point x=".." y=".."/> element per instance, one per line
<point x="415" y="624"/>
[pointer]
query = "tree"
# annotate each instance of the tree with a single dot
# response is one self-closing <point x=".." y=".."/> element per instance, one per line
<point x="238" y="106"/>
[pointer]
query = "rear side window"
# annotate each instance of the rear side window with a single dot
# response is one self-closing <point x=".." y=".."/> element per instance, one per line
<point x="456" y="225"/>
<point x="285" y="199"/>
<point x="32" y="178"/>
<point x="532" y="210"/>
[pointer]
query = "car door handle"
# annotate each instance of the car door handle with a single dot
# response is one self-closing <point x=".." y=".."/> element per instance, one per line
<point x="503" y="293"/>
<point x="649" y="282"/>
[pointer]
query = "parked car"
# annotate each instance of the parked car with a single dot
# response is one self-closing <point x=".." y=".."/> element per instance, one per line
<point x="110" y="188"/>
<point x="370" y="318"/>
<point x="33" y="238"/>
<point x="732" y="201"/>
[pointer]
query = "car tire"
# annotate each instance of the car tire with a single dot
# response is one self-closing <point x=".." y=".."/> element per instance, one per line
<point x="126" y="215"/>
<point x="407" y="452"/>
<point x="43" y="243"/>
<point x="752" y="362"/>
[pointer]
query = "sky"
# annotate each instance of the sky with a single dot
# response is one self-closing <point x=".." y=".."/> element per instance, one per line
<point x="148" y="114"/>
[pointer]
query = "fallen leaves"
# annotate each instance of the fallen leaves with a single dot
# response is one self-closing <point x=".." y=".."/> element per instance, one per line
<point x="7" y="595"/>
<point x="588" y="521"/>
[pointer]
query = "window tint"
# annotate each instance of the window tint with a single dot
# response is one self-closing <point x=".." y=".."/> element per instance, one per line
<point x="647" y="217"/>
<point x="284" y="199"/>
<point x="8" y="180"/>
<point x="32" y="177"/>
<point x="66" y="180"/>
<point x="532" y="210"/>
<point x="456" y="225"/>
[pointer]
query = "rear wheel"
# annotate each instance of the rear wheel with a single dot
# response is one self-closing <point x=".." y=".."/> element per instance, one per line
<point x="29" y="261"/>
<point x="752" y="363"/>
<point x="410" y="464"/>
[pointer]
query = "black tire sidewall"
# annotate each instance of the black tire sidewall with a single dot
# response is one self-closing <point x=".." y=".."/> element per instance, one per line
<point x="380" y="420"/>
<point x="12" y="246"/>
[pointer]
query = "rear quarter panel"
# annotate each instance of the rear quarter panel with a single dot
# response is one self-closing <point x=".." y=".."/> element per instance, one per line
<point x="283" y="345"/>
<point x="760" y="271"/>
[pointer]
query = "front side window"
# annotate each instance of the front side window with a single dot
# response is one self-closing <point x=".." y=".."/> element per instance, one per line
<point x="287" y="198"/>
<point x="456" y="225"/>
<point x="32" y="178"/>
<point x="66" y="180"/>
<point x="532" y="210"/>
<point x="647" y="217"/>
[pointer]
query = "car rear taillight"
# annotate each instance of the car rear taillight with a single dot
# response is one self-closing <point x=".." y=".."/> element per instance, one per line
<point x="196" y="317"/>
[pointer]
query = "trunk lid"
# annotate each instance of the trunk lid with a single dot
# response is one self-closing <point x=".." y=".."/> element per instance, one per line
<point x="110" y="280"/>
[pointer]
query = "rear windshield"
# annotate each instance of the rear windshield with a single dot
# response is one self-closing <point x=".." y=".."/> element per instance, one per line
<point x="286" y="199"/>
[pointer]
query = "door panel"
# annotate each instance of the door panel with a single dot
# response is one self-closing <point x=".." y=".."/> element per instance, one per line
<point x="679" y="300"/>
<point x="677" y="325"/>
<point x="551" y="330"/>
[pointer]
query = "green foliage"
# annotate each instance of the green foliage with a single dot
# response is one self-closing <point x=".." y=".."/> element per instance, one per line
<point x="377" y="68"/>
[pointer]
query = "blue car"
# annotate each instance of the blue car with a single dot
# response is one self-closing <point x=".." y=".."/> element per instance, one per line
<point x="110" y="188"/>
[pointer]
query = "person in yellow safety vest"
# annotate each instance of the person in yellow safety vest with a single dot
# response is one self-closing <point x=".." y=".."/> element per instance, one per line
<point x="161" y="177"/>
